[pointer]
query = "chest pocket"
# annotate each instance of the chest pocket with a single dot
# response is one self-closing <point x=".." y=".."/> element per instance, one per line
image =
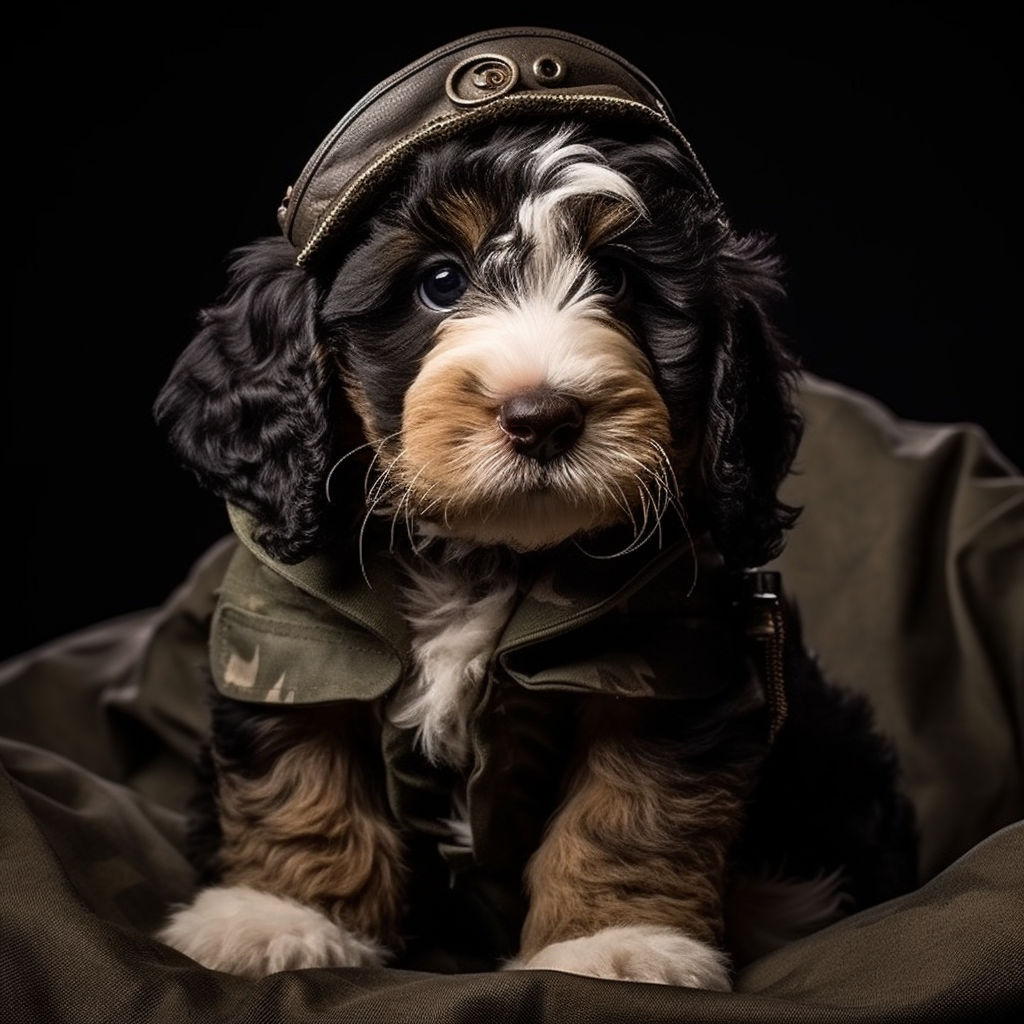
<point x="272" y="660"/>
<point x="274" y="642"/>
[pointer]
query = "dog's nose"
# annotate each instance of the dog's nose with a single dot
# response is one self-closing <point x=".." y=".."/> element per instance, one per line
<point x="541" y="424"/>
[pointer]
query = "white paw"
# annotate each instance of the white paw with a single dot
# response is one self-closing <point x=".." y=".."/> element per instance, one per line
<point x="244" y="931"/>
<point x="637" y="953"/>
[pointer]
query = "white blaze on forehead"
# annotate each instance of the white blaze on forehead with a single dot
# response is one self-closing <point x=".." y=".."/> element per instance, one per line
<point x="564" y="172"/>
<point x="539" y="213"/>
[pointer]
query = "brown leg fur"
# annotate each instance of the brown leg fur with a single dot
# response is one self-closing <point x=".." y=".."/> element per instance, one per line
<point x="312" y="823"/>
<point x="641" y="839"/>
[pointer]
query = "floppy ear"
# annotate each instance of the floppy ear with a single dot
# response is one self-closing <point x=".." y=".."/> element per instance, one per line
<point x="752" y="428"/>
<point x="246" y="407"/>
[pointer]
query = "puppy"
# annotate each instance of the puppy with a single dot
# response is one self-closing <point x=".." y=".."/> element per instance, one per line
<point x="500" y="421"/>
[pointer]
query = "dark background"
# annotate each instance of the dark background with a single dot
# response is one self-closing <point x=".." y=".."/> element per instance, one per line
<point x="881" y="145"/>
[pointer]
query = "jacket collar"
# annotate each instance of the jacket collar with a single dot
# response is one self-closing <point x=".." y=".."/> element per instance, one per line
<point x="576" y="587"/>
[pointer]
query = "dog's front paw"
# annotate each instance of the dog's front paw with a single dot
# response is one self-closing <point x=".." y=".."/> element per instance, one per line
<point x="251" y="933"/>
<point x="636" y="953"/>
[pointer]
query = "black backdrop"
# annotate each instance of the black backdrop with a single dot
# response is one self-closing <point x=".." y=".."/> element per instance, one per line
<point x="880" y="145"/>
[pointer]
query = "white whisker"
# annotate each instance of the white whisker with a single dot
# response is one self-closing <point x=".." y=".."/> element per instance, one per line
<point x="656" y="491"/>
<point x="375" y="445"/>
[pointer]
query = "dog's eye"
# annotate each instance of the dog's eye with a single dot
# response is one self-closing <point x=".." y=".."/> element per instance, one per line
<point x="611" y="279"/>
<point x="442" y="286"/>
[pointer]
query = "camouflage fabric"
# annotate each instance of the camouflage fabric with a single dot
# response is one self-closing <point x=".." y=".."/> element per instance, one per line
<point x="908" y="564"/>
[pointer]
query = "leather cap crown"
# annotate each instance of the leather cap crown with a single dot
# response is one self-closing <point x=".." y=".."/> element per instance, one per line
<point x="480" y="80"/>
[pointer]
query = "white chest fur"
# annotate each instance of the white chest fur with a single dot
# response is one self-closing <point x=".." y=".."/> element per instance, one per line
<point x="454" y="629"/>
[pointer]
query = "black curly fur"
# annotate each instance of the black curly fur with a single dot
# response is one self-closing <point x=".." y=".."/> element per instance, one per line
<point x="248" y="405"/>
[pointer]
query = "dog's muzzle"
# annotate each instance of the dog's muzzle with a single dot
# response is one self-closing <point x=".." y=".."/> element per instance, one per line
<point x="484" y="79"/>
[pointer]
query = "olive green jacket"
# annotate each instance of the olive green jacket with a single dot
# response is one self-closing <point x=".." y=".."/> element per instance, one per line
<point x="908" y="565"/>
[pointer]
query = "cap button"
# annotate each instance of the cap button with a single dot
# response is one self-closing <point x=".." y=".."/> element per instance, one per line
<point x="549" y="69"/>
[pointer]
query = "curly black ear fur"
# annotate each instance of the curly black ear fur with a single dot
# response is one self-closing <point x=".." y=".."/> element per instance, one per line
<point x="247" y="404"/>
<point x="752" y="427"/>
